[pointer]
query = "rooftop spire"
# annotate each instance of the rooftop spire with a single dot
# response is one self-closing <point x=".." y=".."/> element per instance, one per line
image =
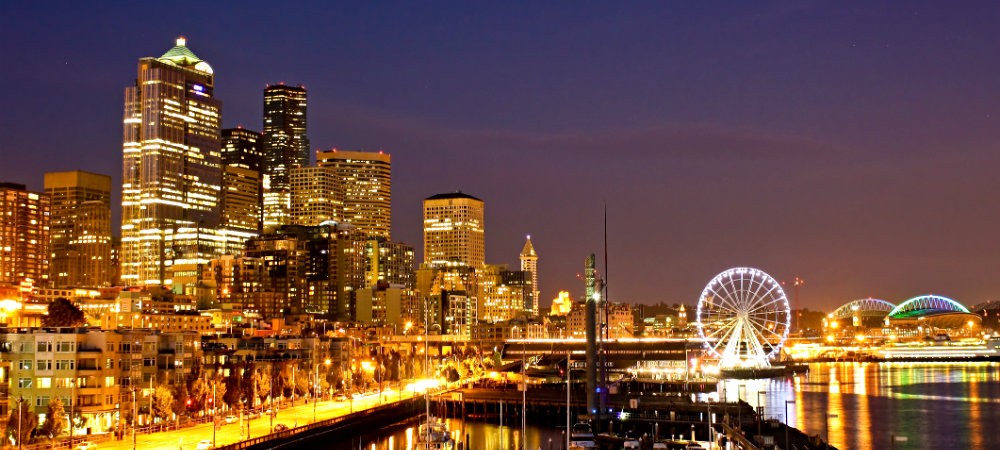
<point x="528" y="250"/>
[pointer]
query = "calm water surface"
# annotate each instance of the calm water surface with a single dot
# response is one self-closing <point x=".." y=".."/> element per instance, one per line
<point x="863" y="405"/>
<point x="860" y="405"/>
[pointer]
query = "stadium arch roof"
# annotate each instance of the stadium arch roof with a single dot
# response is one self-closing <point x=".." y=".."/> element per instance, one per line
<point x="926" y="305"/>
<point x="864" y="307"/>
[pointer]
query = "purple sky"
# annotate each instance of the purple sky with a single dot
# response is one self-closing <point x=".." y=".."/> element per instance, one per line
<point x="853" y="144"/>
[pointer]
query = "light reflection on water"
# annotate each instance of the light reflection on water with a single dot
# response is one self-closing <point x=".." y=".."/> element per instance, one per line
<point x="479" y="435"/>
<point x="861" y="405"/>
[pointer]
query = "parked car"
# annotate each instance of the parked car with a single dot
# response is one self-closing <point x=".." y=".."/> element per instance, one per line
<point x="204" y="444"/>
<point x="231" y="419"/>
<point x="341" y="397"/>
<point x="86" y="445"/>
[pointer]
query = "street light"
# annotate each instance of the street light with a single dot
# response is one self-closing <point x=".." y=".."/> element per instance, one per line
<point x="787" y="423"/>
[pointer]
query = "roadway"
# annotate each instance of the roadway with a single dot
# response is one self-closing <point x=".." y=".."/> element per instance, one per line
<point x="299" y="414"/>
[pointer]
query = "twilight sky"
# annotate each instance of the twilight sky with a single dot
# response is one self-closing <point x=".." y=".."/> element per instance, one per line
<point x="853" y="144"/>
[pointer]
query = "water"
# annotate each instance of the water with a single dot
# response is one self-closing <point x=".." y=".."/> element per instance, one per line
<point x="481" y="435"/>
<point x="864" y="405"/>
<point x="860" y="405"/>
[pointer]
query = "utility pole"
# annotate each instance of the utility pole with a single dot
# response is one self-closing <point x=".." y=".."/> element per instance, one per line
<point x="215" y="416"/>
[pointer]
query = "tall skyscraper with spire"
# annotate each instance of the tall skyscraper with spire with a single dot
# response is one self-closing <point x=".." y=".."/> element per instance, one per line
<point x="171" y="174"/>
<point x="454" y="230"/>
<point x="529" y="263"/>
<point x="286" y="146"/>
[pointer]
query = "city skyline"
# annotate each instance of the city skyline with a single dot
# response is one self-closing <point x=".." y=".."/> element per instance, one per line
<point x="854" y="145"/>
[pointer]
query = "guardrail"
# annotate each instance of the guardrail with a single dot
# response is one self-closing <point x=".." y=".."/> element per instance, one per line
<point x="306" y="429"/>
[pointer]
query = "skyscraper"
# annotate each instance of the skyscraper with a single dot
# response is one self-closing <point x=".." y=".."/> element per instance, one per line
<point x="366" y="184"/>
<point x="24" y="235"/>
<point x="317" y="196"/>
<point x="286" y="146"/>
<point x="172" y="173"/>
<point x="242" y="148"/>
<point x="80" y="228"/>
<point x="454" y="230"/>
<point x="240" y="206"/>
<point x="529" y="264"/>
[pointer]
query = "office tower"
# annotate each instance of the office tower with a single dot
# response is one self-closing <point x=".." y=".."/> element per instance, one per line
<point x="285" y="147"/>
<point x="298" y="269"/>
<point x="316" y="196"/>
<point x="80" y="230"/>
<point x="454" y="230"/>
<point x="529" y="264"/>
<point x="24" y="235"/>
<point x="240" y="205"/>
<point x="366" y="180"/>
<point x="503" y="294"/>
<point x="171" y="178"/>
<point x="242" y="148"/>
<point x="388" y="264"/>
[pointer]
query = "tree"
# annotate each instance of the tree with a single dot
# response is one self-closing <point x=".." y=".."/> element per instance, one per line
<point x="263" y="383"/>
<point x="231" y="390"/>
<point x="55" y="419"/>
<point x="21" y="422"/>
<point x="162" y="402"/>
<point x="181" y="399"/>
<point x="63" y="313"/>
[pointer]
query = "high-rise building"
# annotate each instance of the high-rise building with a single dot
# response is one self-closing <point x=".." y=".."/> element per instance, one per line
<point x="24" y="235"/>
<point x="80" y="230"/>
<point x="388" y="264"/>
<point x="454" y="230"/>
<point x="172" y="173"/>
<point x="529" y="264"/>
<point x="317" y="196"/>
<point x="242" y="148"/>
<point x="298" y="269"/>
<point x="503" y="294"/>
<point x="286" y="146"/>
<point x="240" y="204"/>
<point x="366" y="180"/>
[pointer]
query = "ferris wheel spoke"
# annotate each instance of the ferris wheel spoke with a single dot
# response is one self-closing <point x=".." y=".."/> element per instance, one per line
<point x="727" y="295"/>
<point x="756" y="292"/>
<point x="764" y="326"/>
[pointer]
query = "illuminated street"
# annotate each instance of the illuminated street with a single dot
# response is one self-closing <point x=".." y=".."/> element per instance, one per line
<point x="300" y="414"/>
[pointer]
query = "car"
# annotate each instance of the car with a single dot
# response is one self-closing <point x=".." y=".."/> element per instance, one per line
<point x="231" y="419"/>
<point x="280" y="427"/>
<point x="204" y="444"/>
<point x="340" y="397"/>
<point x="86" y="445"/>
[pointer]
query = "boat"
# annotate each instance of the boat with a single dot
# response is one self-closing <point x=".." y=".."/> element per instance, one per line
<point x="434" y="434"/>
<point x="582" y="436"/>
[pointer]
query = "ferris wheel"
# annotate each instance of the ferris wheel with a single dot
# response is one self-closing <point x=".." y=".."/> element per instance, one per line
<point x="743" y="318"/>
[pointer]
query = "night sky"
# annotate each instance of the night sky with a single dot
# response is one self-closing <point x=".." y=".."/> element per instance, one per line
<point x="852" y="144"/>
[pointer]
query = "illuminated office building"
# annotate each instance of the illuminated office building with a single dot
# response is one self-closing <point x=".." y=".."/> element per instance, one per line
<point x="286" y="146"/>
<point x="171" y="177"/>
<point x="366" y="188"/>
<point x="454" y="230"/>
<point x="242" y="148"/>
<point x="24" y="235"/>
<point x="240" y="203"/>
<point x="317" y="196"/>
<point x="80" y="230"/>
